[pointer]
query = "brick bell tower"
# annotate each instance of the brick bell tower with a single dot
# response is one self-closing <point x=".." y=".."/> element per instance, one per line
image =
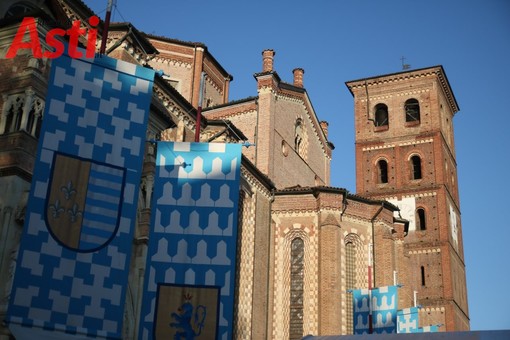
<point x="405" y="154"/>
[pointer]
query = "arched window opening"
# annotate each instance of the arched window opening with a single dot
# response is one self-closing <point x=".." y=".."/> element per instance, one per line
<point x="381" y="115"/>
<point x="421" y="219"/>
<point x="412" y="108"/>
<point x="298" y="136"/>
<point x="422" y="275"/>
<point x="350" y="282"/>
<point x="296" y="288"/>
<point x="416" y="167"/>
<point x="383" y="171"/>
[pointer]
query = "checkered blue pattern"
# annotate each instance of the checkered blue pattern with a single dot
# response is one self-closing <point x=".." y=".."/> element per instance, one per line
<point x="194" y="225"/>
<point x="96" y="110"/>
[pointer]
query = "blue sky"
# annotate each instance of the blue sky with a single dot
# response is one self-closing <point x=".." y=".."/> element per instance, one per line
<point x="335" y="41"/>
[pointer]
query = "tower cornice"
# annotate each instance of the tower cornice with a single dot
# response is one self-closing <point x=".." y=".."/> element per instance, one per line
<point x="437" y="71"/>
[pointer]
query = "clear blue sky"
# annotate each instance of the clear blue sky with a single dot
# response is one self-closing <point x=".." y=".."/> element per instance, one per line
<point x="340" y="40"/>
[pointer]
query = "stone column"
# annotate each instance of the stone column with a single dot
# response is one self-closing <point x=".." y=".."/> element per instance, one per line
<point x="27" y="107"/>
<point x="5" y="109"/>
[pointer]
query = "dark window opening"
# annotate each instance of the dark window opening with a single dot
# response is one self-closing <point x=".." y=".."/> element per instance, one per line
<point x="422" y="276"/>
<point x="421" y="219"/>
<point x="383" y="171"/>
<point x="298" y="136"/>
<point x="381" y="115"/>
<point x="416" y="167"/>
<point x="412" y="108"/>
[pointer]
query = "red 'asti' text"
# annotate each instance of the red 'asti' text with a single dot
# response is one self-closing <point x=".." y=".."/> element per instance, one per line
<point x="74" y="33"/>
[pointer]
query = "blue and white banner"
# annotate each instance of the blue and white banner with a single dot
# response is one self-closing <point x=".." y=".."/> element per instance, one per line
<point x="190" y="272"/>
<point x="361" y="310"/>
<point x="384" y="309"/>
<point x="407" y="320"/>
<point x="73" y="261"/>
<point x="429" y="329"/>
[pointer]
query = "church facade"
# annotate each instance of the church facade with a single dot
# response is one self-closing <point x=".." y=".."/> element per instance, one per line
<point x="302" y="243"/>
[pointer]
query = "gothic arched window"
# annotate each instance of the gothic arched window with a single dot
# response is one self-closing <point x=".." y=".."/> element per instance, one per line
<point x="13" y="114"/>
<point x="354" y="274"/>
<point x="381" y="115"/>
<point x="296" y="288"/>
<point x="298" y="136"/>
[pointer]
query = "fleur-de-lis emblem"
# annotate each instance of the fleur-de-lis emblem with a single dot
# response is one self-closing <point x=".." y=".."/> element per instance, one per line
<point x="74" y="212"/>
<point x="56" y="209"/>
<point x="68" y="190"/>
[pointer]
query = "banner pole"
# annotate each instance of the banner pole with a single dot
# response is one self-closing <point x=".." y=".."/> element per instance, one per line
<point x="199" y="109"/>
<point x="106" y="26"/>
<point x="370" y="326"/>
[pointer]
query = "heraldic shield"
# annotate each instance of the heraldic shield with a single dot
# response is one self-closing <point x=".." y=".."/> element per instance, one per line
<point x="83" y="202"/>
<point x="186" y="312"/>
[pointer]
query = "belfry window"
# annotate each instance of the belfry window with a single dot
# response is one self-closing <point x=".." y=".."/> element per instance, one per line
<point x="421" y="219"/>
<point x="412" y="109"/>
<point x="381" y="115"/>
<point x="383" y="171"/>
<point x="296" y="288"/>
<point x="416" y="167"/>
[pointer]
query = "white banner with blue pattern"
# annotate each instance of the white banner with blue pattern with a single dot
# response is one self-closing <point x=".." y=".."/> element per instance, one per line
<point x="73" y="261"/>
<point x="384" y="309"/>
<point x="381" y="303"/>
<point x="190" y="272"/>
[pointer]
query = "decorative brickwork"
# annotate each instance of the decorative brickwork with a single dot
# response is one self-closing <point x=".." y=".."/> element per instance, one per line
<point x="421" y="181"/>
<point x="282" y="284"/>
<point x="245" y="257"/>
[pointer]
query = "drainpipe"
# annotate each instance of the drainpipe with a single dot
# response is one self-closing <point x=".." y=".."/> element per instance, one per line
<point x="344" y="205"/>
<point x="368" y="104"/>
<point x="268" y="280"/>
<point x="371" y="264"/>
<point x="256" y="137"/>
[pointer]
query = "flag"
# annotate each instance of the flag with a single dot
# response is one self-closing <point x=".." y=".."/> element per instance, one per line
<point x="361" y="310"/>
<point x="189" y="281"/>
<point x="384" y="309"/>
<point x="73" y="262"/>
<point x="407" y="320"/>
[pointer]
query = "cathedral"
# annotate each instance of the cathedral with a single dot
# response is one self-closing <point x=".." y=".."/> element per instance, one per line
<point x="302" y="244"/>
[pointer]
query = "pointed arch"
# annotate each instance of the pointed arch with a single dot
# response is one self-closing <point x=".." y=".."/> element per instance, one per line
<point x="353" y="264"/>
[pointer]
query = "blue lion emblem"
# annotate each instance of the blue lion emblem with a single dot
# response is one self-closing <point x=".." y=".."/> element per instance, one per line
<point x="188" y="321"/>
